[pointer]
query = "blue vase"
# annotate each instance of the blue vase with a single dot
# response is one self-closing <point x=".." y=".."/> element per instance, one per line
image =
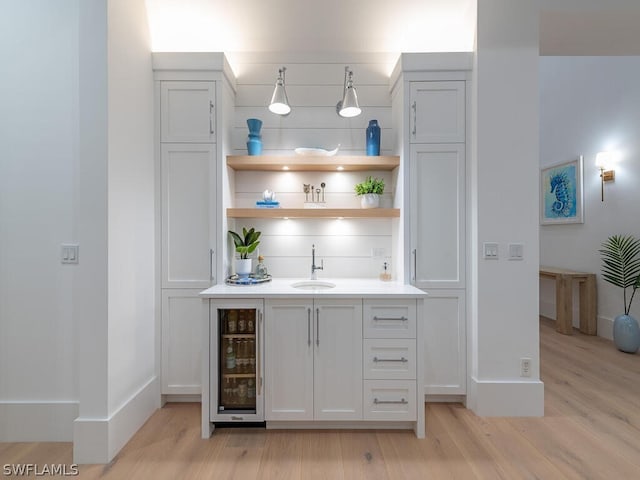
<point x="373" y="138"/>
<point x="626" y="334"/>
<point x="254" y="143"/>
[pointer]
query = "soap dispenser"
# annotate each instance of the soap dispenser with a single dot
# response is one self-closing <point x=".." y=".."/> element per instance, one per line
<point x="385" y="275"/>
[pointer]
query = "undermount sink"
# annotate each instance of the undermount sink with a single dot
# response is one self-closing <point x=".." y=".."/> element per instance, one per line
<point x="313" y="285"/>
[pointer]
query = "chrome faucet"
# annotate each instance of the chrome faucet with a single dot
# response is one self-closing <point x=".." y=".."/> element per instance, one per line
<point x="314" y="276"/>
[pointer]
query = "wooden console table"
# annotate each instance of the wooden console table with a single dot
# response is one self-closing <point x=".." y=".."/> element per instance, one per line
<point x="564" y="299"/>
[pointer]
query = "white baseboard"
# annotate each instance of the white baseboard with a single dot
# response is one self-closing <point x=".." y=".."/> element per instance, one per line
<point x="506" y="398"/>
<point x="37" y="421"/>
<point x="98" y="440"/>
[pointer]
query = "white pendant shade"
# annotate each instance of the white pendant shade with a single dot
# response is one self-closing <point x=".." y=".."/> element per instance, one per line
<point x="279" y="102"/>
<point x="350" y="107"/>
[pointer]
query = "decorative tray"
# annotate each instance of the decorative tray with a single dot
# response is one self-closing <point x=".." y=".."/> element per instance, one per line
<point x="250" y="280"/>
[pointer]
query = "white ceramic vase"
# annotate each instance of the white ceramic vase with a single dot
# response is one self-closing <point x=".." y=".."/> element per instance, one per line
<point x="243" y="266"/>
<point x="370" y="200"/>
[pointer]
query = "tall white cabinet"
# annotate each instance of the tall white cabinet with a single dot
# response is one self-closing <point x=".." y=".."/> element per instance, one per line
<point x="430" y="97"/>
<point x="191" y="91"/>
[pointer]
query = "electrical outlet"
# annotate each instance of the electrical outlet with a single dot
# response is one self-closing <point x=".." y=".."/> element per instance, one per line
<point x="516" y="251"/>
<point x="525" y="367"/>
<point x="378" y="252"/>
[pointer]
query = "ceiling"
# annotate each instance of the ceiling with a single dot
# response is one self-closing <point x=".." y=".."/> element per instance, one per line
<point x="567" y="27"/>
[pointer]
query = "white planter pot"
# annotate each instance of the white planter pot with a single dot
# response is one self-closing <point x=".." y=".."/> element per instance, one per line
<point x="370" y="200"/>
<point x="243" y="266"/>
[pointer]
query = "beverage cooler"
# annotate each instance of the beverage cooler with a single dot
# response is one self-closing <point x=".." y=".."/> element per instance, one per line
<point x="236" y="371"/>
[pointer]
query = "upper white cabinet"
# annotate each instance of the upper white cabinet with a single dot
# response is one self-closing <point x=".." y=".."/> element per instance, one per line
<point x="437" y="217"/>
<point x="188" y="173"/>
<point x="437" y="112"/>
<point x="313" y="359"/>
<point x="187" y="112"/>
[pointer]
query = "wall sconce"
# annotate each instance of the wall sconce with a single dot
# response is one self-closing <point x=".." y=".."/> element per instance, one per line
<point x="605" y="161"/>
<point x="279" y="101"/>
<point x="348" y="106"/>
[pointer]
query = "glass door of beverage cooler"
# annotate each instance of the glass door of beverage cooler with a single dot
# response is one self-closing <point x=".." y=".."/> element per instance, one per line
<point x="236" y="394"/>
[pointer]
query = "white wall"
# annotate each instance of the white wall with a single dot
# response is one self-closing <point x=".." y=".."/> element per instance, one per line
<point x="314" y="85"/>
<point x="133" y="384"/>
<point x="504" y="192"/>
<point x="590" y="104"/>
<point x="38" y="134"/>
<point x="131" y="202"/>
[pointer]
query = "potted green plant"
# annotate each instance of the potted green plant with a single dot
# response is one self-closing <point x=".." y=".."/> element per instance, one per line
<point x="370" y="191"/>
<point x="245" y="246"/>
<point x="621" y="267"/>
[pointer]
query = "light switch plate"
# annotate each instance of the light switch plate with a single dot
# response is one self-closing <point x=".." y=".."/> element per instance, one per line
<point x="490" y="251"/>
<point x="516" y="251"/>
<point x="70" y="253"/>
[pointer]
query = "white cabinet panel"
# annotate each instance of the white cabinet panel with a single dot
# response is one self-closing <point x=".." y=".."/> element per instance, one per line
<point x="445" y="347"/>
<point x="388" y="359"/>
<point x="313" y="360"/>
<point x="390" y="400"/>
<point x="289" y="352"/>
<point x="438" y="216"/>
<point x="188" y="215"/>
<point x="182" y="314"/>
<point x="187" y="112"/>
<point x="389" y="319"/>
<point x="338" y="360"/>
<point x="437" y="112"/>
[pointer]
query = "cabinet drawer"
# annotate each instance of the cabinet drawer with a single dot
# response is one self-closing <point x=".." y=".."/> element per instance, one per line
<point x="389" y="319"/>
<point x="389" y="359"/>
<point x="390" y="400"/>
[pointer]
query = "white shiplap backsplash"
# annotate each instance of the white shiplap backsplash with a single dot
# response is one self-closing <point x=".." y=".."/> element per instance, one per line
<point x="348" y="245"/>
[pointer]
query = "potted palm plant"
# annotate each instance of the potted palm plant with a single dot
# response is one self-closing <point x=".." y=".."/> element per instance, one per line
<point x="370" y="191"/>
<point x="245" y="246"/>
<point x="621" y="267"/>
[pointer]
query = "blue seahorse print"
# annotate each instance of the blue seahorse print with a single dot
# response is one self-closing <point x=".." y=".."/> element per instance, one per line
<point x="561" y="187"/>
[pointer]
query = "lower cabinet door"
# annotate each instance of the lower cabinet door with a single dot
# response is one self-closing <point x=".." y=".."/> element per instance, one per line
<point x="182" y="314"/>
<point x="289" y="359"/>
<point x="390" y="400"/>
<point x="337" y="369"/>
<point x="445" y="346"/>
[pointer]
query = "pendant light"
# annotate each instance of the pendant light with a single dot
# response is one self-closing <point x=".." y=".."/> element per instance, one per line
<point x="279" y="101"/>
<point x="348" y="106"/>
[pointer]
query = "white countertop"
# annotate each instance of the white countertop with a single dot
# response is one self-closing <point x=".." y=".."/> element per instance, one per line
<point x="345" y="288"/>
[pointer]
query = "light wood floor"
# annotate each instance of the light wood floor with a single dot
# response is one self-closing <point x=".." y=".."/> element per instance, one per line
<point x="591" y="430"/>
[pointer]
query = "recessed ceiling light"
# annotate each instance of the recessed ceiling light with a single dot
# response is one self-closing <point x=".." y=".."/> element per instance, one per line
<point x="285" y="167"/>
<point x="340" y="168"/>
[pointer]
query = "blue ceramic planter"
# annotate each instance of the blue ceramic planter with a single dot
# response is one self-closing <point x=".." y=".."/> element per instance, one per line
<point x="254" y="143"/>
<point x="626" y="334"/>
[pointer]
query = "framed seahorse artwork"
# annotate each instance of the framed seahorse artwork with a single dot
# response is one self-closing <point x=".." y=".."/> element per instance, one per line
<point x="561" y="193"/>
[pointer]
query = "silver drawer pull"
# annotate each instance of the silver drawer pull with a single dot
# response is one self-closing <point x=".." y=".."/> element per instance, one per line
<point x="402" y="401"/>
<point x="401" y="359"/>
<point x="394" y="319"/>
<point x="233" y="417"/>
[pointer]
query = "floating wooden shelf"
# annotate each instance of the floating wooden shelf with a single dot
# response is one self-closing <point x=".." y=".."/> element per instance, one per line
<point x="349" y="163"/>
<point x="313" y="212"/>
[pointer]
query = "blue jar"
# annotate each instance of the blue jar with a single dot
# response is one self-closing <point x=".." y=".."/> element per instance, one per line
<point x="373" y="138"/>
<point x="254" y="142"/>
